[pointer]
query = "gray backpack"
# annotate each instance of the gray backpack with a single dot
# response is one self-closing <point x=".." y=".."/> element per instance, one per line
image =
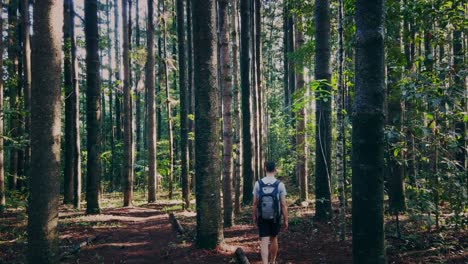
<point x="268" y="205"/>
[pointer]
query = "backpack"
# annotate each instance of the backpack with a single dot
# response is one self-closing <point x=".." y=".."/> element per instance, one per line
<point x="268" y="206"/>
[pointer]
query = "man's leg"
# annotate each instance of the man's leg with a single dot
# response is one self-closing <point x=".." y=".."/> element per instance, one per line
<point x="264" y="249"/>
<point x="273" y="248"/>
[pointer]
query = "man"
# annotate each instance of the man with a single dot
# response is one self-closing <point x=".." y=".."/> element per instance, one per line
<point x="271" y="193"/>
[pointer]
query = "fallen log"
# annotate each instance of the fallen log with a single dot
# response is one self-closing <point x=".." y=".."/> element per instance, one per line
<point x="241" y="257"/>
<point x="176" y="224"/>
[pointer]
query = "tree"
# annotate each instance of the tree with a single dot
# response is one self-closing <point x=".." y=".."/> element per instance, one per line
<point x="184" y="104"/>
<point x="245" y="73"/>
<point x="2" y="112"/>
<point x="72" y="171"/>
<point x="25" y="39"/>
<point x="341" y="140"/>
<point x="128" y="160"/>
<point x="118" y="91"/>
<point x="301" y="142"/>
<point x="368" y="138"/>
<point x="323" y="111"/>
<point x="226" y="88"/>
<point x="45" y="141"/>
<point x="237" y="107"/>
<point x="93" y="108"/>
<point x="395" y="172"/>
<point x="170" y="126"/>
<point x="209" y="227"/>
<point x="150" y="82"/>
<point x="13" y="87"/>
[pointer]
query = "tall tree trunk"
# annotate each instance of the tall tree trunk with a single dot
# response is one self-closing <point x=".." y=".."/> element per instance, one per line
<point x="368" y="137"/>
<point x="226" y="88"/>
<point x="168" y="103"/>
<point x="259" y="75"/>
<point x="2" y="118"/>
<point x="118" y="94"/>
<point x="340" y="141"/>
<point x="190" y="93"/>
<point x="69" y="106"/>
<point x="209" y="226"/>
<point x="254" y="92"/>
<point x="43" y="241"/>
<point x="138" y="118"/>
<point x="245" y="71"/>
<point x="287" y="93"/>
<point x="128" y="115"/>
<point x="237" y="107"/>
<point x="93" y="108"/>
<point x="111" y="99"/>
<point x="396" y="169"/>
<point x="13" y="47"/>
<point x="76" y="114"/>
<point x="25" y="38"/>
<point x="184" y="104"/>
<point x="301" y="143"/>
<point x="323" y="111"/>
<point x="150" y="82"/>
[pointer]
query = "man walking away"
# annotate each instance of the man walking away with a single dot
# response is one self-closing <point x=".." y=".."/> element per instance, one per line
<point x="269" y="208"/>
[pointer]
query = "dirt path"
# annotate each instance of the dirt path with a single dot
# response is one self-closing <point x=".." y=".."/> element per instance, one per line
<point x="144" y="235"/>
<point x="127" y="235"/>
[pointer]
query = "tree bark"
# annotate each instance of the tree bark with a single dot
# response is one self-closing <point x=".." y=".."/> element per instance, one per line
<point x="93" y="108"/>
<point x="128" y="116"/>
<point x="340" y="141"/>
<point x="368" y="136"/>
<point x="259" y="75"/>
<point x="245" y="71"/>
<point x="209" y="226"/>
<point x="138" y="119"/>
<point x="43" y="242"/>
<point x="323" y="111"/>
<point x="396" y="168"/>
<point x="13" y="48"/>
<point x="25" y="38"/>
<point x="168" y="104"/>
<point x="150" y="83"/>
<point x="118" y="94"/>
<point x="2" y="118"/>
<point x="111" y="98"/>
<point x="226" y="88"/>
<point x="237" y="107"/>
<point x="190" y="92"/>
<point x="184" y="104"/>
<point x="301" y="142"/>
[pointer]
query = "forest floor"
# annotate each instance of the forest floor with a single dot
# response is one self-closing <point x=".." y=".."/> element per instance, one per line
<point x="143" y="234"/>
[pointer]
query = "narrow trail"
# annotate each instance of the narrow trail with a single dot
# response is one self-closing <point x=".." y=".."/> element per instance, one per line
<point x="145" y="235"/>
<point x="129" y="235"/>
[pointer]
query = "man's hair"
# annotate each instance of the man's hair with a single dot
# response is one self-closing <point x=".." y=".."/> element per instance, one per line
<point x="270" y="166"/>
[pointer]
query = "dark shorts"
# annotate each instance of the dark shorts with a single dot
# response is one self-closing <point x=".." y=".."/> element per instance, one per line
<point x="268" y="228"/>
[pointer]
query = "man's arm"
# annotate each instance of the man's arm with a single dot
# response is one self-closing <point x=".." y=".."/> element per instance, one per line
<point x="254" y="208"/>
<point x="284" y="209"/>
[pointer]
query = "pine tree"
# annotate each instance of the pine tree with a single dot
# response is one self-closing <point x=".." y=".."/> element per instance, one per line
<point x="209" y="226"/>
<point x="150" y="82"/>
<point x="323" y="111"/>
<point x="245" y="73"/>
<point x="368" y="136"/>
<point x="93" y="108"/>
<point x="226" y="88"/>
<point x="184" y="104"/>
<point x="45" y="141"/>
